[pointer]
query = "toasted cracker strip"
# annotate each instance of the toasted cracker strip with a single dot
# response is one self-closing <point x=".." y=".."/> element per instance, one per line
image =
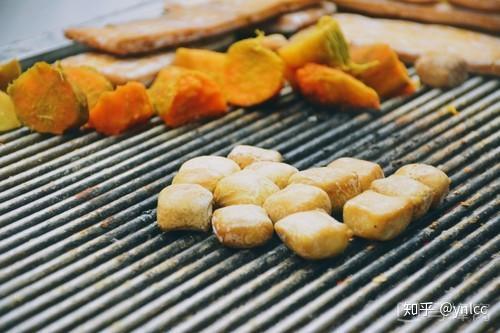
<point x="182" y="25"/>
<point x="411" y="40"/>
<point x="291" y="22"/>
<point x="486" y="5"/>
<point x="120" y="70"/>
<point x="439" y="13"/>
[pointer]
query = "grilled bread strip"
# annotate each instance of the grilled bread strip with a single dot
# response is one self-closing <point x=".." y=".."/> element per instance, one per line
<point x="411" y="40"/>
<point x="439" y="13"/>
<point x="182" y="25"/>
<point x="487" y="5"/>
<point x="291" y="22"/>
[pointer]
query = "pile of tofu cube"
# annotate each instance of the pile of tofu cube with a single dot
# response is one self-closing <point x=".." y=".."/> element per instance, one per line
<point x="256" y="194"/>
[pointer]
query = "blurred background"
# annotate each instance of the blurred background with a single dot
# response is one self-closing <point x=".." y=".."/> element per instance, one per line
<point x="21" y="19"/>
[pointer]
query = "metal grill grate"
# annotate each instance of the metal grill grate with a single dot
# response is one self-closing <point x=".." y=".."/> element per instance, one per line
<point x="80" y="250"/>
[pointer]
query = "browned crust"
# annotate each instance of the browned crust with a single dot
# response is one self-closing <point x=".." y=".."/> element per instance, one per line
<point x="493" y="5"/>
<point x="438" y="13"/>
<point x="182" y="25"/>
<point x="291" y="22"/>
<point x="411" y="40"/>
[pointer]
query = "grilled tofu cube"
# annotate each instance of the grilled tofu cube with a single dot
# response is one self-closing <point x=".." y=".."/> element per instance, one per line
<point x="367" y="171"/>
<point x="296" y="198"/>
<point x="242" y="226"/>
<point x="205" y="171"/>
<point x="243" y="187"/>
<point x="277" y="172"/>
<point x="340" y="185"/>
<point x="313" y="234"/>
<point x="419" y="194"/>
<point x="431" y="176"/>
<point x="205" y="177"/>
<point x="219" y="164"/>
<point x="377" y="216"/>
<point x="184" y="207"/>
<point x="245" y="155"/>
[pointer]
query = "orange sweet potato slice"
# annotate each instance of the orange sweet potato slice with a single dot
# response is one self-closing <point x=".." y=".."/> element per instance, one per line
<point x="329" y="86"/>
<point x="91" y="82"/>
<point x="182" y="95"/>
<point x="118" y="110"/>
<point x="46" y="101"/>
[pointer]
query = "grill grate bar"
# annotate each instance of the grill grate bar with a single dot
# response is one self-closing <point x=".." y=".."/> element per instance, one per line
<point x="427" y="102"/>
<point x="74" y="161"/>
<point x="437" y="267"/>
<point x="329" y="296"/>
<point x="483" y="275"/>
<point x="144" y="190"/>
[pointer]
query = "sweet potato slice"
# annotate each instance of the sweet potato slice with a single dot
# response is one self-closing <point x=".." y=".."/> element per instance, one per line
<point x="46" y="101"/>
<point x="118" y="110"/>
<point x="90" y="82"/>
<point x="211" y="63"/>
<point x="253" y="73"/>
<point x="389" y="77"/>
<point x="9" y="71"/>
<point x="8" y="118"/>
<point x="181" y="95"/>
<point x="329" y="86"/>
<point x="323" y="44"/>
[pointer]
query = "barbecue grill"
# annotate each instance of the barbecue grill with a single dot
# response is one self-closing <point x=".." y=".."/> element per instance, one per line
<point x="80" y="250"/>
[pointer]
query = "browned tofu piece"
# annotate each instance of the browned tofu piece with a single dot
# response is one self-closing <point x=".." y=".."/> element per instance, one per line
<point x="184" y="207"/>
<point x="205" y="171"/>
<point x="419" y="194"/>
<point x="205" y="177"/>
<point x="366" y="171"/>
<point x="377" y="216"/>
<point x="313" y="234"/>
<point x="245" y="155"/>
<point x="244" y="187"/>
<point x="431" y="176"/>
<point x="340" y="185"/>
<point x="277" y="172"/>
<point x="222" y="165"/>
<point x="242" y="226"/>
<point x="296" y="198"/>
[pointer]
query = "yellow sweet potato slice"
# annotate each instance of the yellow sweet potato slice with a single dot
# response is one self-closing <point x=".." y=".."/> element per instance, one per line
<point x="182" y="95"/>
<point x="46" y="101"/>
<point x="253" y="73"/>
<point x="8" y="118"/>
<point x="323" y="44"/>
<point x="91" y="82"/>
<point x="9" y="71"/>
<point x="116" y="111"/>
<point x="329" y="86"/>
<point x="211" y="63"/>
